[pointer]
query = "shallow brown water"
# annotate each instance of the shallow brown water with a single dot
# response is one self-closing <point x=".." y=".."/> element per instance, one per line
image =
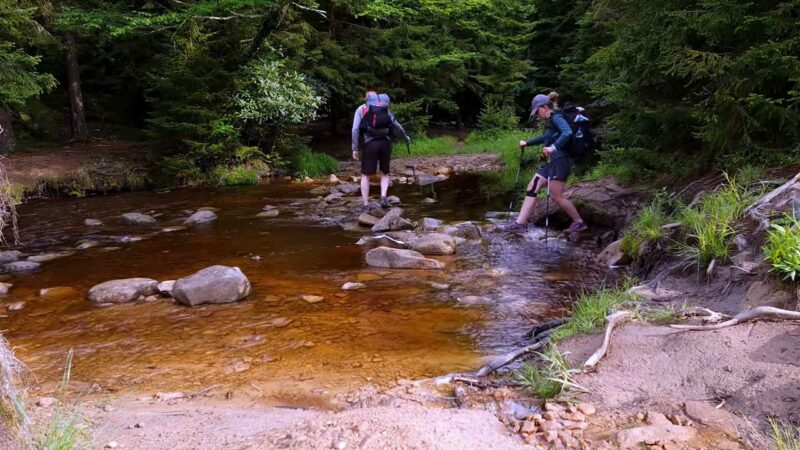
<point x="398" y="328"/>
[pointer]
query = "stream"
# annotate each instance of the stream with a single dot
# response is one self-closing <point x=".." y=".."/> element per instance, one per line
<point x="404" y="325"/>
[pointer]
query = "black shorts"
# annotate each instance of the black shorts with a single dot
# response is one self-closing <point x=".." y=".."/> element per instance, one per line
<point x="378" y="151"/>
<point x="557" y="169"/>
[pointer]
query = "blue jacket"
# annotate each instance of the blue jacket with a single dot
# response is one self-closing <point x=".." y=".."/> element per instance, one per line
<point x="557" y="133"/>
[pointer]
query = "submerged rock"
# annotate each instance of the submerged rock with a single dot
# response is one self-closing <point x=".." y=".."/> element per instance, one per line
<point x="393" y="258"/>
<point x="348" y="188"/>
<point x="44" y="257"/>
<point x="429" y="224"/>
<point x="268" y="214"/>
<point x="137" y="219"/>
<point x="312" y="298"/>
<point x="21" y="266"/>
<point x="93" y="222"/>
<point x="122" y="291"/>
<point x="466" y="230"/>
<point x="4" y="288"/>
<point x="9" y="256"/>
<point x="215" y="284"/>
<point x="208" y="208"/>
<point x="434" y="244"/>
<point x="393" y="200"/>
<point x="320" y="190"/>
<point x="84" y="244"/>
<point x="16" y="306"/>
<point x="353" y="286"/>
<point x="58" y="291"/>
<point x="200" y="217"/>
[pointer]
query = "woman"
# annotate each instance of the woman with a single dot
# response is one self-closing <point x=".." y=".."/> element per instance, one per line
<point x="557" y="136"/>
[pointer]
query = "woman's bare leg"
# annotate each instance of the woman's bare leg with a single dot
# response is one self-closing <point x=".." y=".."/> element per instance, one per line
<point x="557" y="194"/>
<point x="529" y="205"/>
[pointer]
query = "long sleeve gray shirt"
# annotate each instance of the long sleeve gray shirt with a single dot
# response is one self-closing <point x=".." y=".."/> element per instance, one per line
<point x="356" y="131"/>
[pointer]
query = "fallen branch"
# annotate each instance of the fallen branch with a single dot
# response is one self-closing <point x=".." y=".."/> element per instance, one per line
<point x="613" y="319"/>
<point x="744" y="316"/>
<point x="503" y="360"/>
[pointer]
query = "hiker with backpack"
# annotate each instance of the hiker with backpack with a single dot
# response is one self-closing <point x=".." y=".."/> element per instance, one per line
<point x="373" y="126"/>
<point x="558" y="140"/>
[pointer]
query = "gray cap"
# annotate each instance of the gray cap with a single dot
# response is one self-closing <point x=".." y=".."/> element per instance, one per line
<point x="539" y="100"/>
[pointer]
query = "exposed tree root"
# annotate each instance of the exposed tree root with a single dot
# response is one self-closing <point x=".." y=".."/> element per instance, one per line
<point x="744" y="316"/>
<point x="709" y="316"/>
<point x="503" y="360"/>
<point x="545" y="326"/>
<point x="754" y="211"/>
<point x="613" y="319"/>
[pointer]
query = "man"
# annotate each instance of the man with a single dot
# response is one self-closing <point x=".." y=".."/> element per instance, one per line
<point x="556" y="138"/>
<point x="375" y="123"/>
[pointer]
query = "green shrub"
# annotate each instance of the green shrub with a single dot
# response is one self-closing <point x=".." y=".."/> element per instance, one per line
<point x="313" y="164"/>
<point x="782" y="249"/>
<point x="590" y="310"/>
<point x="235" y="175"/>
<point x="711" y="223"/>
<point x="495" y="120"/>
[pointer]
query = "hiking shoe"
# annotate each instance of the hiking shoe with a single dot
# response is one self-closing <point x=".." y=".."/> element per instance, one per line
<point x="384" y="203"/>
<point x="576" y="227"/>
<point x="516" y="228"/>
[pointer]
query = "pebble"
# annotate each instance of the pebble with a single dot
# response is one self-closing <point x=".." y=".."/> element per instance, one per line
<point x="93" y="222"/>
<point x="440" y="286"/>
<point x="341" y="445"/>
<point x="312" y="298"/>
<point x="353" y="286"/>
<point x="112" y="444"/>
<point x="16" y="306"/>
<point x="46" y="402"/>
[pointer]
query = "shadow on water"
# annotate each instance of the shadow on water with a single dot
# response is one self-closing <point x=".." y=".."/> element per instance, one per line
<point x="401" y="326"/>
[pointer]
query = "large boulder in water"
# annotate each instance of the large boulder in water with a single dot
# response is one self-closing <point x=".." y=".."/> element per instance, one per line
<point x="123" y="291"/>
<point x="21" y="266"/>
<point x="434" y="244"/>
<point x="137" y="219"/>
<point x="394" y="258"/>
<point x="200" y="217"/>
<point x="215" y="284"/>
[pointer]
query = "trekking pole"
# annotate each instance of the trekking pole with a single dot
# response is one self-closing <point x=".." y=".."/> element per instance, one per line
<point x="516" y="180"/>
<point x="547" y="206"/>
<point x="413" y="167"/>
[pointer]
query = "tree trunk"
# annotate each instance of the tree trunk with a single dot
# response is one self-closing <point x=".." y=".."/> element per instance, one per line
<point x="271" y="22"/>
<point x="77" y="115"/>
<point x="7" y="140"/>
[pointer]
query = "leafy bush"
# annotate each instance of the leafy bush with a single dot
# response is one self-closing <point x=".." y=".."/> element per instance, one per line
<point x="782" y="248"/>
<point x="273" y="95"/>
<point x="497" y="120"/>
<point x="711" y="223"/>
<point x="313" y="164"/>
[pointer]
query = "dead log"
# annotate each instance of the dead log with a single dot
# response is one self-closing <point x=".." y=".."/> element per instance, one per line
<point x="503" y="360"/>
<point x="613" y="319"/>
<point x="744" y="316"/>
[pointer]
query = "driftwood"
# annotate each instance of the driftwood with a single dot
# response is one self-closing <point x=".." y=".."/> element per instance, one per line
<point x="744" y="316"/>
<point x="613" y="319"/>
<point x="754" y="211"/>
<point x="503" y="360"/>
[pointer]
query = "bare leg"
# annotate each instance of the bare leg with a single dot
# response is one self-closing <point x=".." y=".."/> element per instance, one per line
<point x="365" y="189"/>
<point x="384" y="184"/>
<point x="557" y="193"/>
<point x="529" y="204"/>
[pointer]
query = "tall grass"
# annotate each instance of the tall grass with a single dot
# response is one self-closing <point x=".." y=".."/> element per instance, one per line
<point x="711" y="223"/>
<point x="646" y="227"/>
<point x="591" y="308"/>
<point x="63" y="432"/>
<point x="313" y="164"/>
<point x="785" y="436"/>
<point x="236" y="175"/>
<point x="548" y="379"/>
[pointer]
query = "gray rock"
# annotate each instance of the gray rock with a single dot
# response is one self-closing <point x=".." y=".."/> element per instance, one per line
<point x="137" y="219"/>
<point x="9" y="256"/>
<point x="208" y="208"/>
<point x="434" y="244"/>
<point x="333" y="197"/>
<point x="710" y="416"/>
<point x="268" y="214"/>
<point x="392" y="221"/>
<point x="84" y="244"/>
<point x="353" y="286"/>
<point x="367" y="220"/>
<point x="215" y="284"/>
<point x="348" y="188"/>
<point x="4" y="288"/>
<point x="44" y="257"/>
<point x="122" y="291"/>
<point x="320" y="190"/>
<point x="613" y="255"/>
<point x="466" y="230"/>
<point x="439" y="286"/>
<point x="165" y="287"/>
<point x="429" y="224"/>
<point x="93" y="222"/>
<point x="21" y="266"/>
<point x="268" y="207"/>
<point x="429" y="201"/>
<point x="393" y="200"/>
<point x="393" y="258"/>
<point x="200" y="217"/>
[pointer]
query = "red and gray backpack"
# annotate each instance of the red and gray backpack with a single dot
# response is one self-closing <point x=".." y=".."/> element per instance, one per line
<point x="375" y="118"/>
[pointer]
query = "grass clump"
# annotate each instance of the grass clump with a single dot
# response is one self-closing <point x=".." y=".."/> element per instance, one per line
<point x="548" y="379"/>
<point x="782" y="248"/>
<point x="646" y="227"/>
<point x="236" y="175"/>
<point x="711" y="223"/>
<point x="590" y="311"/>
<point x="785" y="436"/>
<point x="312" y="164"/>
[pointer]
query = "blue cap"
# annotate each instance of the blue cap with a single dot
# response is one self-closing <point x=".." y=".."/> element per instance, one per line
<point x="538" y="101"/>
<point x="384" y="99"/>
<point x="371" y="98"/>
